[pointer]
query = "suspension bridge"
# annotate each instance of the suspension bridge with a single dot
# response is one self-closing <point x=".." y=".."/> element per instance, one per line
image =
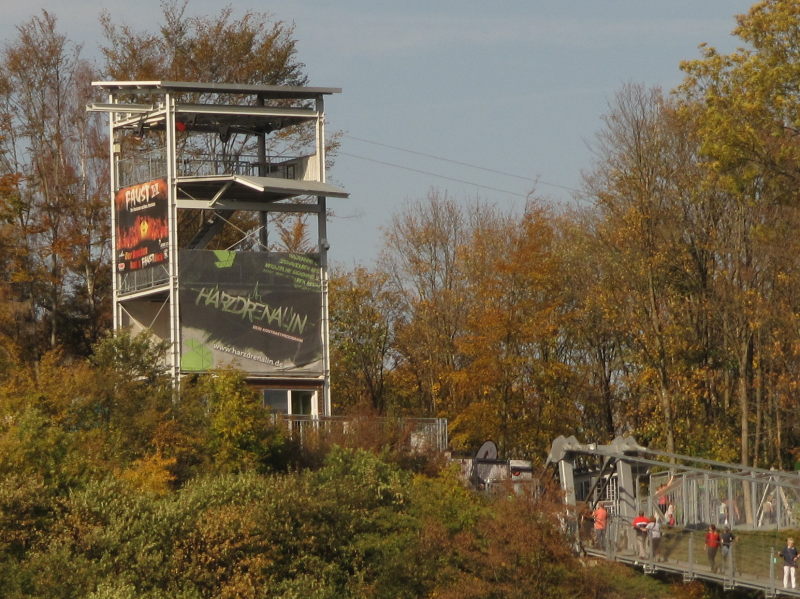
<point x="760" y="506"/>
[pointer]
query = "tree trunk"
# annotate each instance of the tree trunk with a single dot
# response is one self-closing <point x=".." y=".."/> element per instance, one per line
<point x="759" y="396"/>
<point x="666" y="406"/>
<point x="745" y="370"/>
<point x="664" y="391"/>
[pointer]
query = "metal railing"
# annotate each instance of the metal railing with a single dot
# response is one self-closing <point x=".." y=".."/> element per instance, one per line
<point x="761" y="506"/>
<point x="751" y="562"/>
<point x="739" y="499"/>
<point x="145" y="278"/>
<point x="147" y="166"/>
<point x="417" y="434"/>
<point x="700" y="491"/>
<point x="281" y="167"/>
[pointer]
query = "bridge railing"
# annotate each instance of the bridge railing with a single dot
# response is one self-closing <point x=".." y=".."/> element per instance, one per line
<point x="762" y="506"/>
<point x="755" y="501"/>
<point x="751" y="562"/>
<point x="630" y="478"/>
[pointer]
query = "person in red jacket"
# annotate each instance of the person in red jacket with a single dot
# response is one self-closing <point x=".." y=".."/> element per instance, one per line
<point x="640" y="525"/>
<point x="713" y="542"/>
<point x="600" y="515"/>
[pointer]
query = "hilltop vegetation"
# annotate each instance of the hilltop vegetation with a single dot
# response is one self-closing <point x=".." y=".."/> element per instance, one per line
<point x="113" y="488"/>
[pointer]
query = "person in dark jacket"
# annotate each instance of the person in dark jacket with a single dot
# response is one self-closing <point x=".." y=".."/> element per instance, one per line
<point x="727" y="538"/>
<point x="789" y="555"/>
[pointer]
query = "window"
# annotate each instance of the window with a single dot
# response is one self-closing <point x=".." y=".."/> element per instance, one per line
<point x="289" y="401"/>
<point x="301" y="402"/>
<point x="277" y="400"/>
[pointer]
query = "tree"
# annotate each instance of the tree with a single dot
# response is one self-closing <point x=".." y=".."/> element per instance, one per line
<point x="747" y="126"/>
<point x="237" y="431"/>
<point x="52" y="185"/>
<point x="631" y="184"/>
<point x="421" y="258"/>
<point x="515" y="374"/>
<point x="594" y="331"/>
<point x="250" y="49"/>
<point x="364" y="312"/>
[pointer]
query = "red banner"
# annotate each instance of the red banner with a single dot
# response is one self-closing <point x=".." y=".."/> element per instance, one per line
<point x="141" y="233"/>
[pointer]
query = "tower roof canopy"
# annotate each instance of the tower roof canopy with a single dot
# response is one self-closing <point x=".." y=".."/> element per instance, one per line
<point x="246" y="192"/>
<point x="265" y="91"/>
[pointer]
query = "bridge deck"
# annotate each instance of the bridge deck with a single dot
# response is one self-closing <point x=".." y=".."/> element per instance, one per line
<point x="760" y="505"/>
<point x="751" y="564"/>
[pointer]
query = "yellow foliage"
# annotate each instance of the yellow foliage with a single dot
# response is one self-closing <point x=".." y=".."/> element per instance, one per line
<point x="478" y="422"/>
<point x="151" y="474"/>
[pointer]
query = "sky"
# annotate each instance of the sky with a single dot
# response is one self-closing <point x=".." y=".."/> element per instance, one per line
<point x="482" y="101"/>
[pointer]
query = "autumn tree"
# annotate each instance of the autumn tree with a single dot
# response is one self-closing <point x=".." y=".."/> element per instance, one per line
<point x="479" y="323"/>
<point x="748" y="123"/>
<point x="515" y="372"/>
<point x="593" y="333"/>
<point x="654" y="234"/>
<point x="628" y="188"/>
<point x="364" y="313"/>
<point x="251" y="48"/>
<point x="421" y="259"/>
<point x="53" y="182"/>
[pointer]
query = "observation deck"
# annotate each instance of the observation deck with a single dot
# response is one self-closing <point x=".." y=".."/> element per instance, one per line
<point x="206" y="180"/>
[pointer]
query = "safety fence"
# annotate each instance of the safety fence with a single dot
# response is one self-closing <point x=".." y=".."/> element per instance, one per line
<point x="415" y="434"/>
<point x="150" y="165"/>
<point x="750" y="562"/>
<point x="754" y="499"/>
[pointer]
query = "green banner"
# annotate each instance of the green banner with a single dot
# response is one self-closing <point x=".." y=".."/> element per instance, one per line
<point x="256" y="311"/>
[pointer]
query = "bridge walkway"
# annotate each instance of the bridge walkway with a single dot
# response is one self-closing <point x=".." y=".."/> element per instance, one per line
<point x="762" y="507"/>
<point x="752" y="562"/>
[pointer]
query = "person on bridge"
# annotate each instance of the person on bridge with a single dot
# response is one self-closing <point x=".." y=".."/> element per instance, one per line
<point x="713" y="542"/>
<point x="723" y="513"/>
<point x="727" y="538"/>
<point x="669" y="515"/>
<point x="600" y="515"/>
<point x="789" y="555"/>
<point x="654" y="529"/>
<point x="640" y="523"/>
<point x="663" y="500"/>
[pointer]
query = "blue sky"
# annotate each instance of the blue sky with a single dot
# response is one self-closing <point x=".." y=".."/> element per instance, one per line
<point x="514" y="86"/>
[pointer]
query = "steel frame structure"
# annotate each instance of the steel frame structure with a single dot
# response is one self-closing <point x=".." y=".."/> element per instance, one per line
<point x="149" y="299"/>
<point x="757" y="504"/>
